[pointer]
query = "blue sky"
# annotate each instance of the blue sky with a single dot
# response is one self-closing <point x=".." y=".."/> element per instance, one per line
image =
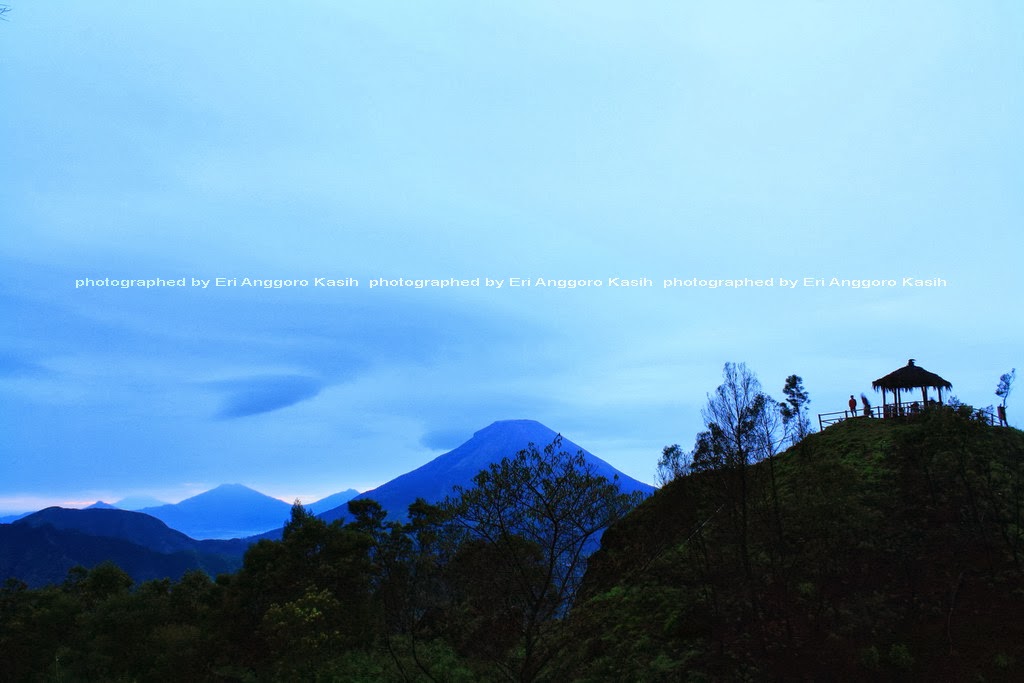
<point x="462" y="140"/>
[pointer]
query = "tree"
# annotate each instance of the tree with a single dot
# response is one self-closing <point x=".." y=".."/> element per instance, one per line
<point x="794" y="409"/>
<point x="318" y="572"/>
<point x="673" y="463"/>
<point x="731" y="415"/>
<point x="531" y="520"/>
<point x="742" y="426"/>
<point x="1006" y="384"/>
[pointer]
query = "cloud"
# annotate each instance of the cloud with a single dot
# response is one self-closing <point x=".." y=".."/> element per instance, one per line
<point x="256" y="395"/>
<point x="14" y="366"/>
<point x="447" y="439"/>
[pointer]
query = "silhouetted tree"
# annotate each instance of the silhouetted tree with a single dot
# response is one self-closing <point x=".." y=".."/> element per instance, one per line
<point x="742" y="425"/>
<point x="673" y="463"/>
<point x="1006" y="385"/>
<point x="794" y="409"/>
<point x="732" y="415"/>
<point x="532" y="520"/>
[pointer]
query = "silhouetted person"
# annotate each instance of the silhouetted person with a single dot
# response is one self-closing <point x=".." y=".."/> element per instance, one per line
<point x="853" y="406"/>
<point x="1001" y="412"/>
<point x="867" y="406"/>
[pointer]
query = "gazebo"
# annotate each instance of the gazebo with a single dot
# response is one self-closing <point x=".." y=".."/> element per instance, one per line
<point x="909" y="377"/>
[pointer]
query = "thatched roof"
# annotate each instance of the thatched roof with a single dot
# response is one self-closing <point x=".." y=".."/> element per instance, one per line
<point x="910" y="377"/>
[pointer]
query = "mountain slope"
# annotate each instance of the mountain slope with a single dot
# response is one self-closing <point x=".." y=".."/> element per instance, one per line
<point x="228" y="511"/>
<point x="434" y="480"/>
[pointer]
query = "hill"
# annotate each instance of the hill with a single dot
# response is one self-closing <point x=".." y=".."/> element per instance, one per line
<point x="434" y="480"/>
<point x="875" y="550"/>
<point x="40" y="549"/>
<point x="134" y="527"/>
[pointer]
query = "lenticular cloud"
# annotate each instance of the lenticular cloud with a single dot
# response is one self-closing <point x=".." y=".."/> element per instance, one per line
<point x="264" y="394"/>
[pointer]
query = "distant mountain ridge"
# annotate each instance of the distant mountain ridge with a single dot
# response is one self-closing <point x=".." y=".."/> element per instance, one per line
<point x="434" y="480"/>
<point x="167" y="540"/>
<point x="228" y="511"/>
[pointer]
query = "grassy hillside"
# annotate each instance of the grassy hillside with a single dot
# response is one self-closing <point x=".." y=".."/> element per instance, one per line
<point x="873" y="550"/>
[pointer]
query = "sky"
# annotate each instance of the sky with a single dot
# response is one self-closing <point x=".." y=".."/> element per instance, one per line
<point x="570" y="141"/>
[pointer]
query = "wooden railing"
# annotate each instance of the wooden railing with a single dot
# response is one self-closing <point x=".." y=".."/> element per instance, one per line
<point x="902" y="410"/>
<point x="827" y="419"/>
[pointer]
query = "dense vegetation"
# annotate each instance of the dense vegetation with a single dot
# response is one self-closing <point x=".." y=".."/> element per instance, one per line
<point x="873" y="550"/>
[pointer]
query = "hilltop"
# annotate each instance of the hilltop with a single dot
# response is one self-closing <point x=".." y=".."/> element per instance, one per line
<point x="876" y="549"/>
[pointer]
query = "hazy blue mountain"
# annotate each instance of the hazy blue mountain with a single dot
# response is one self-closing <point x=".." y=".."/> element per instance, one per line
<point x="100" y="505"/>
<point x="137" y="503"/>
<point x="228" y="511"/>
<point x="332" y="501"/>
<point x="505" y="438"/>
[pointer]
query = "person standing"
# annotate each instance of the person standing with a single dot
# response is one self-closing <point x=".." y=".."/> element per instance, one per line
<point x="853" y="406"/>
<point x="867" y="406"/>
<point x="1001" y="412"/>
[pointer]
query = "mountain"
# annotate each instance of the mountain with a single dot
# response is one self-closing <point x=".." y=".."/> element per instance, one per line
<point x="332" y="501"/>
<point x="877" y="549"/>
<point x="228" y="511"/>
<point x="434" y="480"/>
<point x="100" y="505"/>
<point x="41" y="547"/>
<point x="137" y="503"/>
